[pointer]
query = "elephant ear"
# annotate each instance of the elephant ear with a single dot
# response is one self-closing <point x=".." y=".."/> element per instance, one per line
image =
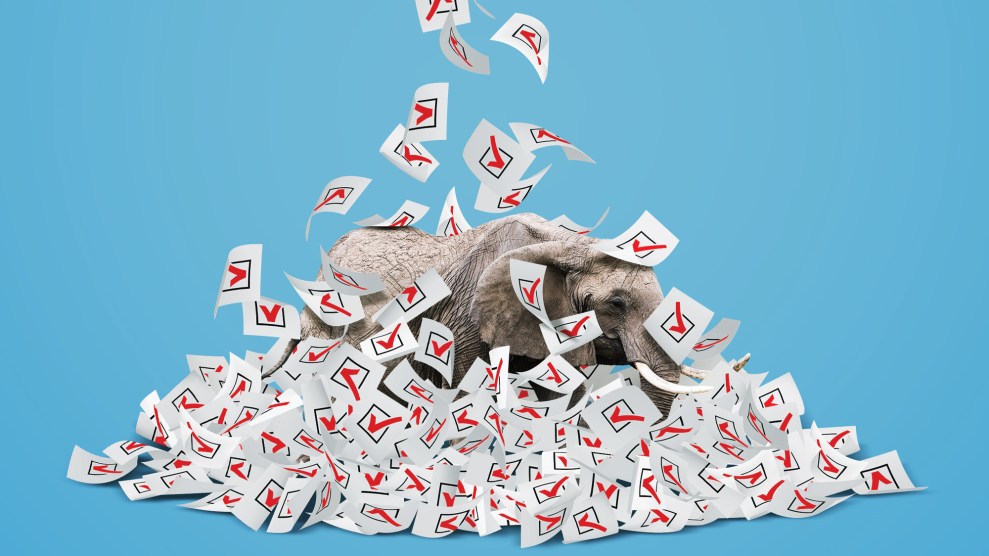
<point x="501" y="318"/>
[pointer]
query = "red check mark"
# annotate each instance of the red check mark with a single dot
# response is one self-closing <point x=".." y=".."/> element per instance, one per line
<point x="647" y="483"/>
<point x="425" y="113"/>
<point x="530" y="37"/>
<point x="270" y="313"/>
<point x="672" y="430"/>
<point x="770" y="401"/>
<point x="543" y="133"/>
<point x="434" y="431"/>
<point x="440" y="349"/>
<point x="325" y="302"/>
<point x="723" y="427"/>
<point x="530" y="294"/>
<point x="660" y="516"/>
<point x="585" y="521"/>
<point x="270" y="499"/>
<point x="449" y="523"/>
<point x="403" y="221"/>
<point x="382" y="513"/>
<point x="679" y="328"/>
<point x="314" y="356"/>
<point x="877" y="478"/>
<point x="640" y="247"/>
<point x="575" y="329"/>
<point x="416" y="483"/>
<point x="617" y="417"/>
<point x="184" y="404"/>
<point x="348" y="377"/>
<point x="343" y="280"/>
<point x="752" y="478"/>
<point x="311" y="473"/>
<point x="410" y="293"/>
<point x="105" y="468"/>
<point x="550" y="521"/>
<point x="555" y="490"/>
<point x="556" y="374"/>
<point x="767" y="496"/>
<point x="420" y="391"/>
<point x="374" y="425"/>
<point x="498" y="162"/>
<point x="786" y="459"/>
<point x="529" y="411"/>
<point x="834" y="440"/>
<point x="596" y="443"/>
<point x="607" y="491"/>
<point x="804" y="503"/>
<point x="512" y="199"/>
<point x="702" y="345"/>
<point x="247" y="417"/>
<point x="227" y="500"/>
<point x="202" y="447"/>
<point x="668" y="471"/>
<point x="235" y="468"/>
<point x="409" y="156"/>
<point x="454" y="43"/>
<point x="238" y="274"/>
<point x="132" y="445"/>
<point x="432" y="9"/>
<point x="276" y="443"/>
<point x="390" y="342"/>
<point x="463" y="420"/>
<point x="339" y="192"/>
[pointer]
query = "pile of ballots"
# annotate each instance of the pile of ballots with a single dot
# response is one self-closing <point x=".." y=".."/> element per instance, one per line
<point x="318" y="440"/>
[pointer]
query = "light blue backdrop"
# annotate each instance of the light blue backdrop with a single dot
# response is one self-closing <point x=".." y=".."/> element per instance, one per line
<point x="823" y="163"/>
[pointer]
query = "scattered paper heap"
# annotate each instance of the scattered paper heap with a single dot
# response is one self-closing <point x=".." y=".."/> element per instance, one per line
<point x="319" y="441"/>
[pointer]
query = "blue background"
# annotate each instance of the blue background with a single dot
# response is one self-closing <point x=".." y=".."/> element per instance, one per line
<point x="822" y="162"/>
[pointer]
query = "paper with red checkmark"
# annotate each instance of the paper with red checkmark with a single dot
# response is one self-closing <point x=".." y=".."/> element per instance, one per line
<point x="534" y="137"/>
<point x="528" y="280"/>
<point x="382" y="514"/>
<point x="414" y="299"/>
<point x="191" y="394"/>
<point x="843" y="439"/>
<point x="268" y="317"/>
<point x="883" y="474"/>
<point x="590" y="519"/>
<point x="490" y="201"/>
<point x="433" y="13"/>
<point x="349" y="374"/>
<point x="621" y="416"/>
<point x="677" y="324"/>
<point x="427" y="118"/>
<point x="376" y="424"/>
<point x="394" y="340"/>
<point x="539" y="527"/>
<point x="529" y="36"/>
<point x="569" y="225"/>
<point x="203" y="447"/>
<point x="712" y="343"/>
<point x="331" y="306"/>
<point x="408" y="214"/>
<point x="436" y="347"/>
<point x="241" y="281"/>
<point x="338" y="196"/>
<point x="409" y="157"/>
<point x="405" y="383"/>
<point x="261" y="496"/>
<point x="496" y="159"/>
<point x="780" y="397"/>
<point x="567" y="333"/>
<point x="346" y="281"/>
<point x="458" y="52"/>
<point x="92" y="469"/>
<point x="648" y="242"/>
<point x="452" y="222"/>
<point x="298" y="492"/>
<point x="554" y="373"/>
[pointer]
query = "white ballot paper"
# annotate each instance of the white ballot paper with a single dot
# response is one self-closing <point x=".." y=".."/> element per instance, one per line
<point x="490" y="201"/>
<point x="411" y="158"/>
<point x="427" y="119"/>
<point x="535" y="137"/>
<point x="459" y="52"/>
<point x="528" y="282"/>
<point x="452" y="222"/>
<point x="433" y="13"/>
<point x="331" y="306"/>
<point x="88" y="468"/>
<point x="241" y="280"/>
<point x="267" y="317"/>
<point x="677" y="324"/>
<point x="567" y="333"/>
<point x="714" y="341"/>
<point x="436" y="347"/>
<point x="394" y="340"/>
<point x="647" y="242"/>
<point x="349" y="282"/>
<point x="497" y="160"/>
<point x="409" y="213"/>
<point x="426" y="291"/>
<point x="338" y="196"/>
<point x="564" y="222"/>
<point x="529" y="36"/>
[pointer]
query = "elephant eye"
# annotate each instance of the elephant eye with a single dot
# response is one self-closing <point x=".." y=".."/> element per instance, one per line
<point x="617" y="303"/>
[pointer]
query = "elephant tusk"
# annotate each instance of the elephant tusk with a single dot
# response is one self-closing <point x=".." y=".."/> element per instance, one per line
<point x="665" y="385"/>
<point x="741" y="362"/>
<point x="692" y="372"/>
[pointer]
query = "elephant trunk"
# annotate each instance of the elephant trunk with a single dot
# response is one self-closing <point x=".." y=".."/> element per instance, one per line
<point x="659" y="372"/>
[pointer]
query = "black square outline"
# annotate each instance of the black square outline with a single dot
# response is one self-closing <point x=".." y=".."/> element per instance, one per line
<point x="206" y="372"/>
<point x="445" y="517"/>
<point x="429" y="344"/>
<point x="415" y="302"/>
<point x="109" y="466"/>
<point x="322" y="308"/>
<point x="718" y="420"/>
<point x="841" y="468"/>
<point x="248" y="277"/>
<point x="446" y="229"/>
<point x="563" y="515"/>
<point x="818" y="504"/>
<point x="539" y="43"/>
<point x="533" y="131"/>
<point x="398" y="340"/>
<point x="456" y="421"/>
<point x="438" y="11"/>
<point x="176" y="399"/>
<point x="264" y="490"/>
<point x="564" y="376"/>
<point x="494" y="466"/>
<point x="125" y="451"/>
<point x="214" y="445"/>
<point x="436" y="102"/>
<point x="322" y="359"/>
<point x="384" y="430"/>
<point x="222" y="495"/>
<point x="320" y="429"/>
<point x="394" y="223"/>
<point x="576" y="519"/>
<point x="413" y="149"/>
<point x="712" y="486"/>
<point x="524" y="297"/>
<point x="557" y="457"/>
<point x="350" y="279"/>
<point x="588" y="374"/>
<point x="236" y="382"/>
<point x="708" y="347"/>
<point x="631" y="239"/>
<point x="257" y="316"/>
<point x="685" y="332"/>
<point x="364" y="513"/>
<point x="228" y="474"/>
<point x="547" y="486"/>
<point x="427" y="390"/>
<point x="303" y="444"/>
<point x="793" y="460"/>
<point x="508" y="206"/>
<point x="666" y="513"/>
<point x="346" y="196"/>
<point x="440" y="490"/>
<point x="344" y="384"/>
<point x="557" y="332"/>
<point x="663" y="462"/>
<point x="422" y="438"/>
<point x="544" y="411"/>
<point x="776" y="391"/>
<point x="761" y="468"/>
<point x="288" y="451"/>
<point x="702" y="510"/>
<point x="607" y="411"/>
<point x="889" y="473"/>
<point x="462" y="49"/>
<point x="507" y="158"/>
<point x="285" y="498"/>
<point x="653" y="435"/>
<point x="139" y="483"/>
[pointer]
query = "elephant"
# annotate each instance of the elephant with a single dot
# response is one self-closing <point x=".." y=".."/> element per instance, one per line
<point x="483" y="312"/>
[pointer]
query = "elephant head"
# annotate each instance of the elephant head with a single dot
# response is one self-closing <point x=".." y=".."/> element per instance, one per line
<point x="580" y="278"/>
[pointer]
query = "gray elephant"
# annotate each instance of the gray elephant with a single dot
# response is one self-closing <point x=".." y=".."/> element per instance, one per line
<point x="482" y="310"/>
